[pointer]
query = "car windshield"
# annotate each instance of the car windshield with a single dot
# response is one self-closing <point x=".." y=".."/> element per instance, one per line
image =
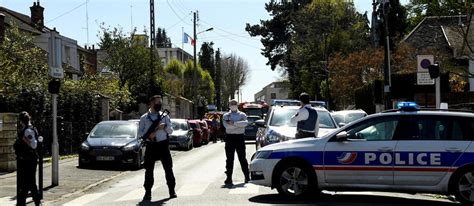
<point x="347" y="117"/>
<point x="281" y="117"/>
<point x="114" y="131"/>
<point x="193" y="125"/>
<point x="179" y="125"/>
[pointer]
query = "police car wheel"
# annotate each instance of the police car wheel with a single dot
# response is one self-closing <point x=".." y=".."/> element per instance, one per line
<point x="464" y="187"/>
<point x="295" y="180"/>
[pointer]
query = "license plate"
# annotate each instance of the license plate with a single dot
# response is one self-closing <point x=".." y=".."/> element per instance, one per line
<point x="173" y="146"/>
<point x="105" y="158"/>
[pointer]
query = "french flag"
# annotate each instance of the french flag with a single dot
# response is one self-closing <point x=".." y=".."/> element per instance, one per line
<point x="186" y="37"/>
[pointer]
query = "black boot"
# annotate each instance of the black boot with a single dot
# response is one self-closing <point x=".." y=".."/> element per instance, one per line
<point x="172" y="194"/>
<point x="228" y="181"/>
<point x="147" y="196"/>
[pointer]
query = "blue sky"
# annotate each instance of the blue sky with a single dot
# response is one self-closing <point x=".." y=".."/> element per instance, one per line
<point x="227" y="17"/>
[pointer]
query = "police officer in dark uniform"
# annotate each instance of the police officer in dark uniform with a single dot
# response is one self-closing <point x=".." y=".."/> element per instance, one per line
<point x="307" y="121"/>
<point x="235" y="122"/>
<point x="157" y="146"/>
<point x="27" y="160"/>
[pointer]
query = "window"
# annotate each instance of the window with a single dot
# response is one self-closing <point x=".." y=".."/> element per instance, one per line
<point x="273" y="95"/>
<point x="378" y="129"/>
<point x="429" y="128"/>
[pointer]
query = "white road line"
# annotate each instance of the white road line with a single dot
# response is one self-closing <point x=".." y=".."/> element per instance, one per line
<point x="192" y="189"/>
<point x="83" y="200"/>
<point x="245" y="189"/>
<point x="7" y="201"/>
<point x="135" y="194"/>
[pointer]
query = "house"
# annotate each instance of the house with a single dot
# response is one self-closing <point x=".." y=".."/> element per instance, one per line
<point x="274" y="90"/>
<point x="451" y="40"/>
<point x="166" y="54"/>
<point x="34" y="24"/>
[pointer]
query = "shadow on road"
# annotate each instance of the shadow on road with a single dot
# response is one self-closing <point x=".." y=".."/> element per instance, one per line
<point x="345" y="199"/>
<point x="107" y="167"/>
<point x="149" y="203"/>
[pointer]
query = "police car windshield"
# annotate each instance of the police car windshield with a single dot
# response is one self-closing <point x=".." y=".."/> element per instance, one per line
<point x="281" y="117"/>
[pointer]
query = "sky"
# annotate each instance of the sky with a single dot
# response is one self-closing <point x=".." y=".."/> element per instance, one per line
<point x="80" y="20"/>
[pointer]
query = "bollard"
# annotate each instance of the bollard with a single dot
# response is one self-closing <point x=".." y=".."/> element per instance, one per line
<point x="40" y="166"/>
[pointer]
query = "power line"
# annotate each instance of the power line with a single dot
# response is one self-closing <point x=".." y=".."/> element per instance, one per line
<point x="172" y="9"/>
<point x="67" y="12"/>
<point x="173" y="25"/>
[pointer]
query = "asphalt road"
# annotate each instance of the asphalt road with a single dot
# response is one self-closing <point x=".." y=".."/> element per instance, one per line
<point x="200" y="174"/>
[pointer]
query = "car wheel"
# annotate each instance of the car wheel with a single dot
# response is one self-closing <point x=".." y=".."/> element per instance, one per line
<point x="139" y="163"/>
<point x="295" y="180"/>
<point x="463" y="186"/>
<point x="81" y="164"/>
<point x="190" y="146"/>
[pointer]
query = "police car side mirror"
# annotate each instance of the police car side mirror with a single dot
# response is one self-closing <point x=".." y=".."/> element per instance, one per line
<point x="342" y="124"/>
<point x="342" y="136"/>
<point x="260" y="123"/>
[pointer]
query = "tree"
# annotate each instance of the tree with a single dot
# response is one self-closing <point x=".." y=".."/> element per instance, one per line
<point x="161" y="39"/>
<point x="217" y="82"/>
<point x="174" y="79"/>
<point x="419" y="9"/>
<point x="130" y="60"/>
<point x="203" y="79"/>
<point x="276" y="35"/>
<point x="235" y="72"/>
<point x="325" y="27"/>
<point x="206" y="58"/>
<point x="397" y="22"/>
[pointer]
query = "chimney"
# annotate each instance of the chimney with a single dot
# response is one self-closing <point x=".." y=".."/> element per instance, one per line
<point x="37" y="17"/>
<point x="2" y="27"/>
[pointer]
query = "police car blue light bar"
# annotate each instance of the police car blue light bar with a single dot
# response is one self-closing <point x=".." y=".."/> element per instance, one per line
<point x="408" y="106"/>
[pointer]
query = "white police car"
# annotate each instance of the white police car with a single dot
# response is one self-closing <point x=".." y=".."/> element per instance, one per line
<point x="405" y="150"/>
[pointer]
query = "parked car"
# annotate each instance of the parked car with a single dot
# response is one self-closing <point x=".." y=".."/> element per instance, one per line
<point x="206" y="132"/>
<point x="197" y="132"/>
<point x="182" y="137"/>
<point x="251" y="128"/>
<point x="344" y="117"/>
<point x="113" y="141"/>
<point x="278" y="128"/>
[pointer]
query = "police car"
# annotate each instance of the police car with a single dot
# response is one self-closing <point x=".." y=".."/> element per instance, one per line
<point x="405" y="150"/>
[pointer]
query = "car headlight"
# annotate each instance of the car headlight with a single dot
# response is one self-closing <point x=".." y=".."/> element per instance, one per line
<point x="84" y="146"/>
<point x="129" y="147"/>
<point x="263" y="154"/>
<point x="273" y="136"/>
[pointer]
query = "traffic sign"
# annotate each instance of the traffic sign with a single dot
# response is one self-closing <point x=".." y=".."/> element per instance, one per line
<point x="423" y="78"/>
<point x="56" y="72"/>
<point x="423" y="61"/>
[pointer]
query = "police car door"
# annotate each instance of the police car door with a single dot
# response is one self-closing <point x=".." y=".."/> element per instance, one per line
<point x="365" y="156"/>
<point x="427" y="148"/>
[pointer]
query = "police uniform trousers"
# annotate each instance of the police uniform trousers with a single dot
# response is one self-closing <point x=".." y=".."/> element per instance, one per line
<point x="158" y="151"/>
<point x="26" y="171"/>
<point x="233" y="143"/>
<point x="303" y="134"/>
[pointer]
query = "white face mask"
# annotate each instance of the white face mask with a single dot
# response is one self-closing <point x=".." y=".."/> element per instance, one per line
<point x="233" y="108"/>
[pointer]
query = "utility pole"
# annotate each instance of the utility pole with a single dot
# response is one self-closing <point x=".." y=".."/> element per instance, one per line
<point x="218" y="79"/>
<point x="195" y="99"/>
<point x="152" y="43"/>
<point x="387" y="76"/>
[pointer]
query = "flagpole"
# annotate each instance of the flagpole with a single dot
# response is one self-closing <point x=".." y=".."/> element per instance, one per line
<point x="182" y="38"/>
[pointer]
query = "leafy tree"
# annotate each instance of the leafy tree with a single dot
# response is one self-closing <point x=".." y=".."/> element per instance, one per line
<point x="204" y="84"/>
<point x="419" y="9"/>
<point x="217" y="82"/>
<point x="397" y="22"/>
<point x="206" y="57"/>
<point x="161" y="39"/>
<point x="130" y="60"/>
<point x="276" y="34"/>
<point x="325" y="27"/>
<point x="174" y="79"/>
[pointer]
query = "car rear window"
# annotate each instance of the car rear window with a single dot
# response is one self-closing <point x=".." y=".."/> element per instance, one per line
<point x="282" y="117"/>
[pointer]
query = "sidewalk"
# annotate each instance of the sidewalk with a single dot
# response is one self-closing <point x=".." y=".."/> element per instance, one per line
<point x="71" y="180"/>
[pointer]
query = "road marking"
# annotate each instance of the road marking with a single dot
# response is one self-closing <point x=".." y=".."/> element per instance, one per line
<point x="135" y="194"/>
<point x="83" y="200"/>
<point x="245" y="189"/>
<point x="192" y="189"/>
<point x="7" y="201"/>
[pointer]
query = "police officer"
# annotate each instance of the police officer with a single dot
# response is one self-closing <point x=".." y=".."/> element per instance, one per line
<point x="307" y="121"/>
<point x="157" y="146"/>
<point x="235" y="122"/>
<point x="27" y="160"/>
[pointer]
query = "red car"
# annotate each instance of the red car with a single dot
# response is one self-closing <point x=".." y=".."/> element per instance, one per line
<point x="197" y="132"/>
<point x="205" y="131"/>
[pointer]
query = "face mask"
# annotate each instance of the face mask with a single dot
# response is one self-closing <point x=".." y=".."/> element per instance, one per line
<point x="233" y="108"/>
<point x="157" y="107"/>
